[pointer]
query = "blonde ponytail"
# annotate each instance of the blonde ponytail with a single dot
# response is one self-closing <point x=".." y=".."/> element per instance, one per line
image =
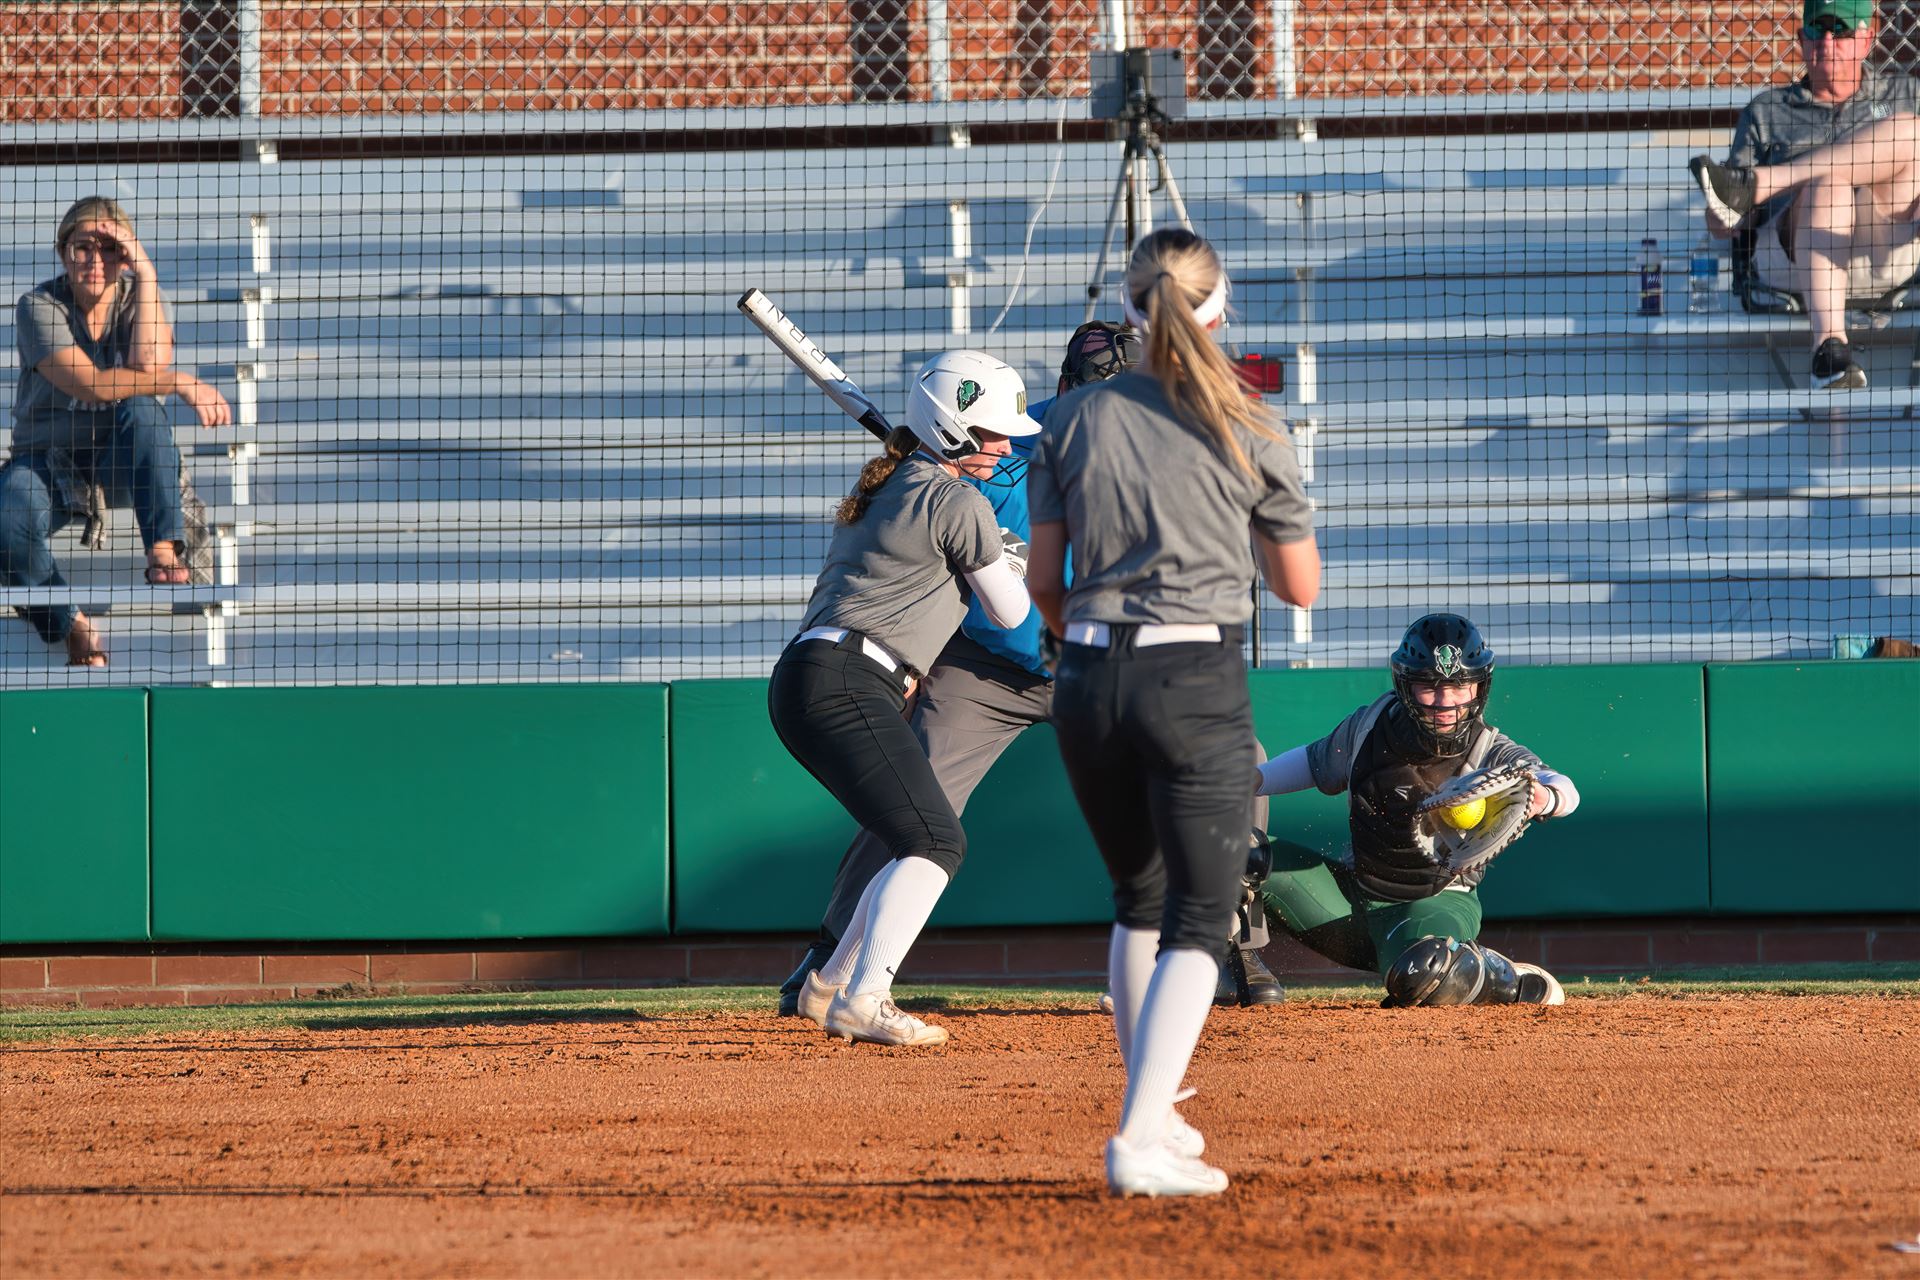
<point x="1171" y="272"/>
<point x="897" y="448"/>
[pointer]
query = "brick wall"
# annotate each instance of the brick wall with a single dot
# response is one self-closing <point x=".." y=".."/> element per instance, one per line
<point x="92" y="61"/>
<point x="1494" y="46"/>
<point x="468" y="55"/>
<point x="1040" y="956"/>
<point x="131" y="59"/>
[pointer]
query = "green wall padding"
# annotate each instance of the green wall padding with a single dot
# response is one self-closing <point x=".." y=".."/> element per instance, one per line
<point x="1632" y="740"/>
<point x="1814" y="769"/>
<point x="73" y="816"/>
<point x="756" y="839"/>
<point x="408" y="813"/>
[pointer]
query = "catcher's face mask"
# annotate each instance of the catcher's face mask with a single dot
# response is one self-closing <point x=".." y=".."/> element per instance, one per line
<point x="1096" y="352"/>
<point x="1443" y="650"/>
<point x="1445" y="714"/>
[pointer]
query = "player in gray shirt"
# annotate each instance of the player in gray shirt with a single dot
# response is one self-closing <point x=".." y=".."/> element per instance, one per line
<point x="886" y="602"/>
<point x="96" y="350"/>
<point x="1825" y="173"/>
<point x="1160" y="479"/>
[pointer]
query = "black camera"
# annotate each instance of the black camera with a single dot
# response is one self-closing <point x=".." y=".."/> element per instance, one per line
<point x="1147" y="83"/>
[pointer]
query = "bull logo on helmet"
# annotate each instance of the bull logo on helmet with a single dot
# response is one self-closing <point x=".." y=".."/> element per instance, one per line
<point x="1446" y="659"/>
<point x="969" y="392"/>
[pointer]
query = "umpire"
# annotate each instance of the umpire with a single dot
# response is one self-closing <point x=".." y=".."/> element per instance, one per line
<point x="1156" y="478"/>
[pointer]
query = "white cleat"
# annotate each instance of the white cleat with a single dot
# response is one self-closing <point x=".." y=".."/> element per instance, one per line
<point x="1159" y="1170"/>
<point x="1183" y="1138"/>
<point x="815" y="997"/>
<point x="1546" y="988"/>
<point x="874" y="1018"/>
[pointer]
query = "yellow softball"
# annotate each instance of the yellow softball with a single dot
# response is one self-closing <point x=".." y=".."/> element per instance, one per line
<point x="1466" y="815"/>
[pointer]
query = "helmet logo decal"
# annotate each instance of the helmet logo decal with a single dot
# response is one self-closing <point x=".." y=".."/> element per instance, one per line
<point x="1446" y="658"/>
<point x="969" y="392"/>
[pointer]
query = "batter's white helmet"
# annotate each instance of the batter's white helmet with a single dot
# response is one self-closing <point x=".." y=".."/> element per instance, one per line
<point x="959" y="394"/>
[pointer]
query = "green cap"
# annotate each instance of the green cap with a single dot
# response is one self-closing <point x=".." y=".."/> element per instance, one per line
<point x="1853" y="14"/>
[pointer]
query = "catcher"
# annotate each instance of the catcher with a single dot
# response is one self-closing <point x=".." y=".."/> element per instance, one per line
<point x="1435" y="793"/>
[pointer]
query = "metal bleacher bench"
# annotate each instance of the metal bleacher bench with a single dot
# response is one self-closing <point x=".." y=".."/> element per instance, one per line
<point x="293" y="396"/>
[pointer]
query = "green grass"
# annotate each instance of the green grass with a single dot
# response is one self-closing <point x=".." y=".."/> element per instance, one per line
<point x="398" y="1011"/>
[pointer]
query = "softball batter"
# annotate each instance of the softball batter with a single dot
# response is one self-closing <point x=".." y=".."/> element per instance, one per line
<point x="1385" y="903"/>
<point x="989" y="685"/>
<point x="883" y="607"/>
<point x="1156" y="478"/>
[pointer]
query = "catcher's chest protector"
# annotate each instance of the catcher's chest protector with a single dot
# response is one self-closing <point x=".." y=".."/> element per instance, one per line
<point x="1384" y="791"/>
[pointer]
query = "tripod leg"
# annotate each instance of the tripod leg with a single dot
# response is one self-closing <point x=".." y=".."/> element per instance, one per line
<point x="1139" y="198"/>
<point x="1096" y="283"/>
<point x="1173" y="188"/>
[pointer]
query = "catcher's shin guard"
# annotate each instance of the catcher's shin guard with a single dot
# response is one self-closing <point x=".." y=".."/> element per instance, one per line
<point x="1438" y="971"/>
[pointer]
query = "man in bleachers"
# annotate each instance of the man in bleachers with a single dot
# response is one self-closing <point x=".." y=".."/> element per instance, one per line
<point x="1826" y="172"/>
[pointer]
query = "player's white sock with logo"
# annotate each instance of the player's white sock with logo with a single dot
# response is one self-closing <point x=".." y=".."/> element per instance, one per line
<point x="839" y="966"/>
<point x="898" y="913"/>
<point x="1130" y="964"/>
<point x="1178" y="1001"/>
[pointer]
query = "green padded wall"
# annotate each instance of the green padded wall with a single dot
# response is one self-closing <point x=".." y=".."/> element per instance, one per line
<point x="1814" y="769"/>
<point x="756" y="839"/>
<point x="1632" y="740"/>
<point x="407" y="813"/>
<point x="73" y="816"/>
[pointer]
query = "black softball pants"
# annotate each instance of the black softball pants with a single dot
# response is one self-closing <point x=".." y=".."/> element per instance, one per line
<point x="1158" y="744"/>
<point x="840" y="715"/>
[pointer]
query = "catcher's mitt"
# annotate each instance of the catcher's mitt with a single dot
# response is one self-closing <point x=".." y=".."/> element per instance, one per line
<point x="1505" y="791"/>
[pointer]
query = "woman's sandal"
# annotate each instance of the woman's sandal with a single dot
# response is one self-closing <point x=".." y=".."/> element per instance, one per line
<point x="92" y="655"/>
<point x="168" y="575"/>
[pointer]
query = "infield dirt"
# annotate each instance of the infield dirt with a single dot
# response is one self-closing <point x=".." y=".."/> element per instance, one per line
<point x="1622" y="1137"/>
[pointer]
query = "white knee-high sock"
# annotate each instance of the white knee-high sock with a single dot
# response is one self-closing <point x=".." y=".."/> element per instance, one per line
<point x="899" y="912"/>
<point x="1178" y="1001"/>
<point x="1130" y="964"/>
<point x="839" y="965"/>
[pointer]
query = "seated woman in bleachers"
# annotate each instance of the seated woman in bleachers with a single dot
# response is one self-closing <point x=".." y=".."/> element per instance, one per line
<point x="96" y="356"/>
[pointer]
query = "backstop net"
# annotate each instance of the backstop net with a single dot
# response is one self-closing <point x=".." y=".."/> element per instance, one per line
<point x="464" y="277"/>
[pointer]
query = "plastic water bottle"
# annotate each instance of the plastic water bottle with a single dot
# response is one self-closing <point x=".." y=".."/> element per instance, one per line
<point x="1652" y="289"/>
<point x="1704" y="296"/>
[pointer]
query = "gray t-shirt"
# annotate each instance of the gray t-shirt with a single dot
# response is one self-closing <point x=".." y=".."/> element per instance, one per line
<point x="1784" y="124"/>
<point x="892" y="575"/>
<point x="48" y="320"/>
<point x="1157" y="517"/>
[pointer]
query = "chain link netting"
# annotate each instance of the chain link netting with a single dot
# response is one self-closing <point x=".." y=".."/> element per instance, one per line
<point x="465" y="273"/>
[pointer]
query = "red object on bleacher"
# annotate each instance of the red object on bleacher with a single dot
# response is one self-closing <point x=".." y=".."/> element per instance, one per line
<point x="1263" y="375"/>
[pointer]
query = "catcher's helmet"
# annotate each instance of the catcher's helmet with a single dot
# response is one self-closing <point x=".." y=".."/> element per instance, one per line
<point x="1439" y="649"/>
<point x="1097" y="350"/>
<point x="959" y="394"/>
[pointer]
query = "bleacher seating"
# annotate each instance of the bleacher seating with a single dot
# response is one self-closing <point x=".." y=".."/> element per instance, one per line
<point x="502" y="430"/>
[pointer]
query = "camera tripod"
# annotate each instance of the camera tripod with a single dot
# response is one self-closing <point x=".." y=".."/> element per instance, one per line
<point x="1131" y="192"/>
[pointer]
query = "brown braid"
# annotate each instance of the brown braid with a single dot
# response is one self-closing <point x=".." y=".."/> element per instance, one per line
<point x="899" y="446"/>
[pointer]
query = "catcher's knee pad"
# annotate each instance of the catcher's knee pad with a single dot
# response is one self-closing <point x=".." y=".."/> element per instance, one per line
<point x="1437" y="971"/>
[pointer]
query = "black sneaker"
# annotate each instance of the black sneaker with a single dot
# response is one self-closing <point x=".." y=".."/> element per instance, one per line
<point x="1246" y="980"/>
<point x="1226" y="988"/>
<point x="1729" y="190"/>
<point x="817" y="954"/>
<point x="1834" y="369"/>
<point x="1261" y="986"/>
